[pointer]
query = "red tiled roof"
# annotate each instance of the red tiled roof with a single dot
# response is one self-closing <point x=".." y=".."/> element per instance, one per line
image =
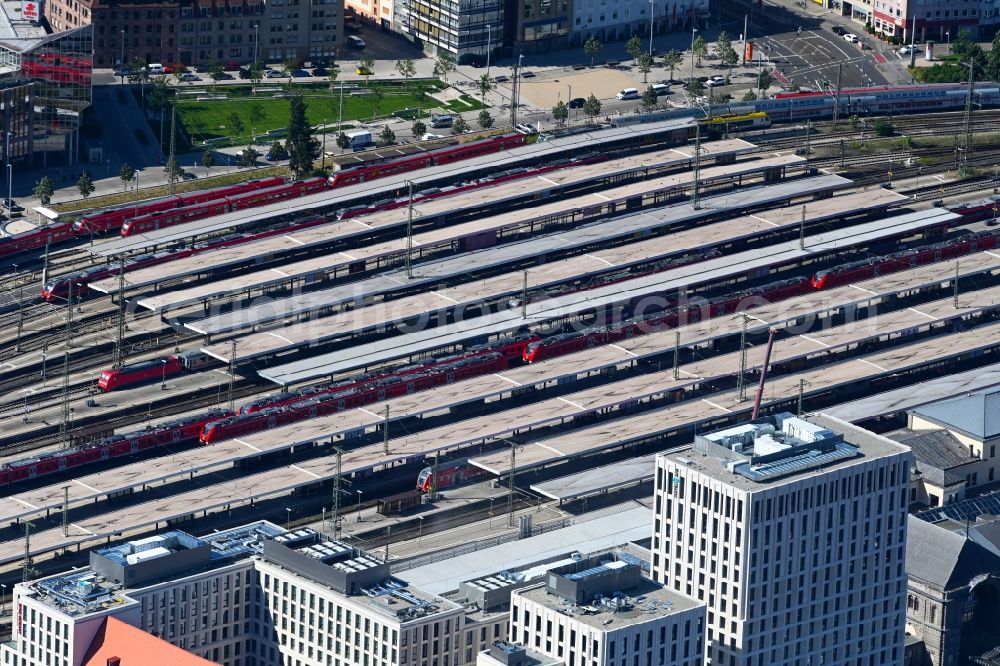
<point x="135" y="647"/>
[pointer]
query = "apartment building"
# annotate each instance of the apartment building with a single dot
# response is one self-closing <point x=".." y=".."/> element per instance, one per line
<point x="793" y="531"/>
<point x="601" y="611"/>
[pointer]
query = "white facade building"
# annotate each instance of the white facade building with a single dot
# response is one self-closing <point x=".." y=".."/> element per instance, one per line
<point x="611" y="21"/>
<point x="600" y="611"/>
<point x="793" y="531"/>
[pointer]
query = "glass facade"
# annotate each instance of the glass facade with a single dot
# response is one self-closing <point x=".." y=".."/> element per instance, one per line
<point x="52" y="80"/>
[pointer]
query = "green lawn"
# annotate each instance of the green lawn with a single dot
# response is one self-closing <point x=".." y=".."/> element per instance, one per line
<point x="210" y="119"/>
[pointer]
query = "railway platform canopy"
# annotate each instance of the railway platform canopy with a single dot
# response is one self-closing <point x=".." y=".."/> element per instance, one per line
<point x="588" y="141"/>
<point x="595" y="481"/>
<point x="464" y="267"/>
<point x="560" y="307"/>
<point x="345" y="262"/>
<point x="899" y="401"/>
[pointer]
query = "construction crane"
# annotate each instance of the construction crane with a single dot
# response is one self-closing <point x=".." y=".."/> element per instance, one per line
<point x="763" y="373"/>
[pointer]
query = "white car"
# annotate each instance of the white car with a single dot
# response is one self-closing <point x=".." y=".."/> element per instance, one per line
<point x="851" y="37"/>
<point x="428" y="137"/>
<point x="907" y="50"/>
<point x="716" y="81"/>
<point x="188" y="76"/>
<point x="274" y="74"/>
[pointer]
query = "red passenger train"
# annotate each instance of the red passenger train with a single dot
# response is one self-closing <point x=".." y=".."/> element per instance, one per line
<point x="221" y="205"/>
<point x="113" y="219"/>
<point x="449" y="474"/>
<point x="905" y="260"/>
<point x="368" y="171"/>
<point x="171" y="432"/>
<point x="137" y="373"/>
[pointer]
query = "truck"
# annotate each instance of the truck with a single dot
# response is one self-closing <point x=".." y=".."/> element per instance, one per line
<point x="359" y="139"/>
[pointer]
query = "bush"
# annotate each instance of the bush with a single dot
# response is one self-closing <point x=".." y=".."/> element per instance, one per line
<point x="884" y="128"/>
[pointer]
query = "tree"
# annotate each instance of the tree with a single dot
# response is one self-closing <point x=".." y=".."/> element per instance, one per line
<point x="593" y="47"/>
<point x="332" y="75"/>
<point x="700" y="49"/>
<point x="485" y="119"/>
<point x="85" y="185"/>
<point x="289" y="65"/>
<point x="592" y="107"/>
<point x="965" y="48"/>
<point x="302" y="146"/>
<point x="376" y="96"/>
<point x="366" y="63"/>
<point x="235" y="124"/>
<point x="418" y="129"/>
<point x="726" y="52"/>
<point x="138" y="72"/>
<point x="764" y="81"/>
<point x="256" y="74"/>
<point x="215" y="70"/>
<point x="126" y="175"/>
<point x="723" y="42"/>
<point x="460" y="126"/>
<point x="248" y="157"/>
<point x="278" y="151"/>
<point x="749" y="96"/>
<point x="485" y="85"/>
<point x="560" y="111"/>
<point x="648" y="99"/>
<point x="172" y="169"/>
<point x="44" y="189"/>
<point x="634" y="46"/>
<point x="645" y="62"/>
<point x="444" y="65"/>
<point x="695" y="88"/>
<point x="159" y="93"/>
<point x="256" y="114"/>
<point x="343" y="141"/>
<point x="884" y="128"/>
<point x="208" y="159"/>
<point x="671" y="60"/>
<point x="386" y="137"/>
<point x="406" y="69"/>
<point x="993" y="60"/>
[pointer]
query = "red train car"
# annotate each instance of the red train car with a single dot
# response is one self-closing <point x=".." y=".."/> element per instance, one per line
<point x="35" y="239"/>
<point x="449" y="474"/>
<point x="137" y="373"/>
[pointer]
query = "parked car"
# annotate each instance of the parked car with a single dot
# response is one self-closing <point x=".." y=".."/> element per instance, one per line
<point x="577" y="103"/>
<point x="244" y="73"/>
<point x="628" y="93"/>
<point x="500" y="79"/>
<point x="363" y="71"/>
<point x="428" y="136"/>
<point x="188" y="76"/>
<point x="122" y="71"/>
<point x="442" y="121"/>
<point x="274" y="74"/>
<point x="300" y="73"/>
<point x="525" y="128"/>
<point x="851" y="37"/>
<point x="839" y="30"/>
<point x="222" y="76"/>
<point x="321" y="71"/>
<point x="907" y="50"/>
<point x="716" y="81"/>
<point x="527" y="75"/>
<point x="355" y="42"/>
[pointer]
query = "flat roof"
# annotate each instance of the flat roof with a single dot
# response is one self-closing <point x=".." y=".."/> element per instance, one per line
<point x="905" y="399"/>
<point x="606" y="477"/>
<point x="343" y="260"/>
<point x="387" y="219"/>
<point x="412" y="343"/>
<point x="476" y="429"/>
<point x="870" y="446"/>
<point x="333" y="199"/>
<point x="585" y="536"/>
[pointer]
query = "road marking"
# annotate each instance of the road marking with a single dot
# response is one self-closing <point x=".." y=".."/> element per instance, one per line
<point x="750" y="316"/>
<point x="874" y="365"/>
<point x="90" y="488"/>
<point x="293" y="239"/>
<point x="280" y="337"/>
<point x="729" y="411"/>
<point x="599" y="259"/>
<point x="553" y="450"/>
<point x="366" y="226"/>
<point x="79" y="527"/>
<point x="305" y="471"/>
<point x="447" y="298"/>
<point x="685" y="372"/>
<point x="923" y="314"/>
<point x="507" y="379"/>
<point x="570" y="402"/>
<point x="993" y="254"/>
<point x="548" y="180"/>
<point x="814" y="340"/>
<point x="680" y="152"/>
<point x="758" y="217"/>
<point x="867" y="291"/>
<point x="246" y="444"/>
<point x="600" y="196"/>
<point x="349" y="256"/>
<point x="630" y="353"/>
<point x="378" y="416"/>
<point x="27" y="504"/>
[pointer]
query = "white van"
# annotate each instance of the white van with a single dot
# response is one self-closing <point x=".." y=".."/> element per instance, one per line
<point x="661" y="89"/>
<point x="629" y="93"/>
<point x="155" y="69"/>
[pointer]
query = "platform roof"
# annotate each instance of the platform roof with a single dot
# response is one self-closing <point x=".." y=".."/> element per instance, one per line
<point x="599" y="479"/>
<point x="905" y="399"/>
<point x="333" y="199"/>
<point x="344" y="259"/>
<point x="413" y="343"/>
<point x="387" y="219"/>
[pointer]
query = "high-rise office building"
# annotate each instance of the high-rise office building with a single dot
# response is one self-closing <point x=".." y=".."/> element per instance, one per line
<point x="793" y="531"/>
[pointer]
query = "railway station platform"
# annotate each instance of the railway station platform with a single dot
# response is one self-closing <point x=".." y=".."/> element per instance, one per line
<point x="594" y="481"/>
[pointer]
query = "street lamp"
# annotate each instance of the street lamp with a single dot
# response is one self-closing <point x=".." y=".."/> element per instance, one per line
<point x="489" y="35"/>
<point x="10" y="172"/>
<point x="163" y="378"/>
<point x="359" y="506"/>
<point x="693" y="31"/>
<point x="121" y="60"/>
<point x="288" y="520"/>
<point x="256" y="41"/>
<point x="420" y="530"/>
<point x="652" y="10"/>
<point x="947" y="36"/>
